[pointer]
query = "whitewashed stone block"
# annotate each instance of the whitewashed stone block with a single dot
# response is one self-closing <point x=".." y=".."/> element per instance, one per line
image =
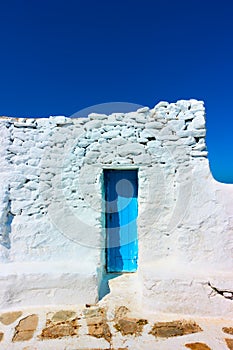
<point x="130" y="149"/>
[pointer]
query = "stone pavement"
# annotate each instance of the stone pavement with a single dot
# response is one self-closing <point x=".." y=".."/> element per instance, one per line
<point x="98" y="327"/>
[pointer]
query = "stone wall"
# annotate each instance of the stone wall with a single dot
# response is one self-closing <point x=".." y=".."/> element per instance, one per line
<point x="52" y="209"/>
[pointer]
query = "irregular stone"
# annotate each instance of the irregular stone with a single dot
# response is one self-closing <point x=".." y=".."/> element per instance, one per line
<point x="175" y="125"/>
<point x="166" y="131"/>
<point x="63" y="315"/>
<point x="197" y="106"/>
<point x="141" y="140"/>
<point x="97" y="327"/>
<point x="61" y="120"/>
<point x="23" y="336"/>
<point x="20" y="125"/>
<point x="10" y="317"/>
<point x="143" y="110"/>
<point x="228" y="330"/>
<point x="183" y="104"/>
<point x="195" y="153"/>
<point x="111" y="134"/>
<point x="184" y="133"/>
<point x="131" y="326"/>
<point x="198" y="133"/>
<point x="84" y="143"/>
<point x="115" y="123"/>
<point x="189" y="141"/>
<point x="118" y="141"/>
<point x="64" y="329"/>
<point x="60" y="324"/>
<point x="133" y="149"/>
<point x="127" y="132"/>
<point x="229" y="343"/>
<point x="97" y="323"/>
<point x="93" y="116"/>
<point x="199" y="147"/>
<point x="93" y="124"/>
<point x="197" y="346"/>
<point x="91" y="157"/>
<point x="153" y="144"/>
<point x="154" y="125"/>
<point x="185" y="115"/>
<point x="15" y="149"/>
<point x="28" y="323"/>
<point x="25" y="328"/>
<point x="142" y="159"/>
<point x="174" y="328"/>
<point x="198" y="122"/>
<point x="140" y="119"/>
<point x="148" y="133"/>
<point x="173" y="114"/>
<point x="169" y="137"/>
<point x="1" y="336"/>
<point x="161" y="104"/>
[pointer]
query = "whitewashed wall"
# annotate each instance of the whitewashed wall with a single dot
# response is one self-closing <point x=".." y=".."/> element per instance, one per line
<point x="52" y="233"/>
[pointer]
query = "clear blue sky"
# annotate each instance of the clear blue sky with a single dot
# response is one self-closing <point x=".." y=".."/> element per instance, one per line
<point x="57" y="57"/>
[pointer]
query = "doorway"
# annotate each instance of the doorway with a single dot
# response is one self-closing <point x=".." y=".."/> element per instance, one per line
<point x="121" y="211"/>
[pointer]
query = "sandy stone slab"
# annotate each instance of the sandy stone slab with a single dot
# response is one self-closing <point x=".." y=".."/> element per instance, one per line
<point x="174" y="328"/>
<point x="229" y="343"/>
<point x="23" y="336"/>
<point x="228" y="330"/>
<point x="25" y="328"/>
<point x="63" y="315"/>
<point x="97" y="323"/>
<point x="28" y="323"/>
<point x="197" y="346"/>
<point x="131" y="326"/>
<point x="67" y="329"/>
<point x="10" y="317"/>
<point x="63" y="323"/>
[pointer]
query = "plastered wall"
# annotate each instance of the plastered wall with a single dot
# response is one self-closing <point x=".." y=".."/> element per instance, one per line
<point x="52" y="235"/>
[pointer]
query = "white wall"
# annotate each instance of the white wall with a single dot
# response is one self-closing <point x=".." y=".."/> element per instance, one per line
<point x="52" y="208"/>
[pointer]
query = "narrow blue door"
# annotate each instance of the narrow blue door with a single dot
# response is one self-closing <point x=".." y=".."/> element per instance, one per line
<point x="121" y="192"/>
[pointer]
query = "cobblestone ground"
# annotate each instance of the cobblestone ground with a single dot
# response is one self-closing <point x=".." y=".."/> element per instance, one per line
<point x="95" y="327"/>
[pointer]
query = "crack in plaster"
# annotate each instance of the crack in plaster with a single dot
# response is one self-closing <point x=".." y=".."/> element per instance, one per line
<point x="227" y="294"/>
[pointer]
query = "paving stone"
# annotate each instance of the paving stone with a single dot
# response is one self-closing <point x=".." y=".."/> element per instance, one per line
<point x="25" y="328"/>
<point x="197" y="346"/>
<point x="174" y="328"/>
<point x="23" y="336"/>
<point x="97" y="323"/>
<point x="229" y="343"/>
<point x="63" y="315"/>
<point x="130" y="326"/>
<point x="65" y="329"/>
<point x="60" y="324"/>
<point x="228" y="330"/>
<point x="10" y="317"/>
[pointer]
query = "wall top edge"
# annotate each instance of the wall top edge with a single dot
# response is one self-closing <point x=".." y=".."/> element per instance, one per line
<point x="190" y="104"/>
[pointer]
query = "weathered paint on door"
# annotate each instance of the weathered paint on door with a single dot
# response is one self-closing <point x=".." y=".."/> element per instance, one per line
<point x="121" y="192"/>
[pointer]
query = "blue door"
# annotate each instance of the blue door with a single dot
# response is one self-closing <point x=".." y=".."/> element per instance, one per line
<point x="121" y="192"/>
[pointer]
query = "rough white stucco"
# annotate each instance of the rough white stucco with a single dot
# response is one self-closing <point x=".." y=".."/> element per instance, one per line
<point x="52" y="211"/>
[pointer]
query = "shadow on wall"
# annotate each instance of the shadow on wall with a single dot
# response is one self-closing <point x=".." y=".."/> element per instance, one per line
<point x="104" y="285"/>
<point x="5" y="234"/>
